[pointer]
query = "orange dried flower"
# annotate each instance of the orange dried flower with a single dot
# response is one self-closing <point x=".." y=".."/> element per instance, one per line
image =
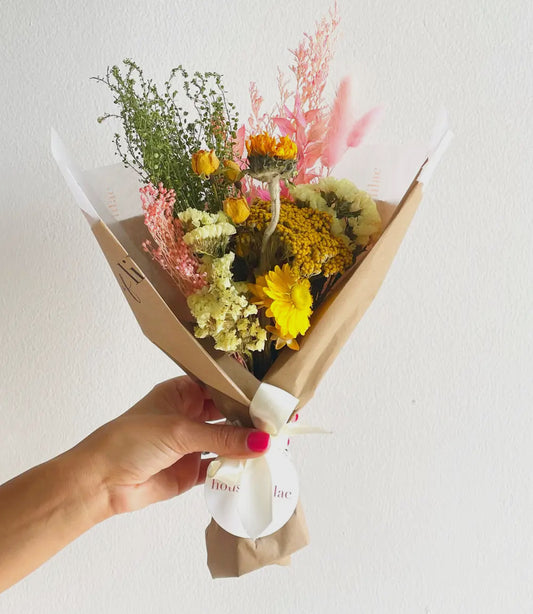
<point x="286" y="148"/>
<point x="266" y="145"/>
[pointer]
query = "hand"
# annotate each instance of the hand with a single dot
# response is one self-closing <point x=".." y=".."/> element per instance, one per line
<point x="152" y="452"/>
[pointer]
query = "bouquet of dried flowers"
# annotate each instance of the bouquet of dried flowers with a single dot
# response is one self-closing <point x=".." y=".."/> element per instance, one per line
<point x="247" y="220"/>
<point x="257" y="257"/>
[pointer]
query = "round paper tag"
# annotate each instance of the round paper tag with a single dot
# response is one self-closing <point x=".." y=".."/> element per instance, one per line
<point x="222" y="500"/>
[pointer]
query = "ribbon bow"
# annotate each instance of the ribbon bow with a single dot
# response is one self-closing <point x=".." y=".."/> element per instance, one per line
<point x="270" y="409"/>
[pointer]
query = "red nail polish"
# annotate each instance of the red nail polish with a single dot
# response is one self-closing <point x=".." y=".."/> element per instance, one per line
<point x="258" y="441"/>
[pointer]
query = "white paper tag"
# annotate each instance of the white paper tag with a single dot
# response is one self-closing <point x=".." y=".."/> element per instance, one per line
<point x="227" y="504"/>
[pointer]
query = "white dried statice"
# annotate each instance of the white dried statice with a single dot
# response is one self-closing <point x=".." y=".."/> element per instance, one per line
<point x="206" y="233"/>
<point x="194" y="218"/>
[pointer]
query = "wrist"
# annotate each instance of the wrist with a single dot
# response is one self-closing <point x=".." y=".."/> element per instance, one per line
<point x="80" y="472"/>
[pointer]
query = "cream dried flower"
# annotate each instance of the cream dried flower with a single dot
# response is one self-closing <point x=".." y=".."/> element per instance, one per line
<point x="222" y="310"/>
<point x="206" y="233"/>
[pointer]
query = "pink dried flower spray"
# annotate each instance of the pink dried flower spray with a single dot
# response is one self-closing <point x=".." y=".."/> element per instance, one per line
<point x="172" y="253"/>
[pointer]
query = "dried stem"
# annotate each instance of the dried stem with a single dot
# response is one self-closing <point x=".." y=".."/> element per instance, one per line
<point x="274" y="188"/>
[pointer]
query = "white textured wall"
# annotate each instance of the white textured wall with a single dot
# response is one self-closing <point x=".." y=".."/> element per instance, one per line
<point x="422" y="500"/>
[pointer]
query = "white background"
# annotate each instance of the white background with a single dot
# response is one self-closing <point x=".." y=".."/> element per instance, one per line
<point x="421" y="501"/>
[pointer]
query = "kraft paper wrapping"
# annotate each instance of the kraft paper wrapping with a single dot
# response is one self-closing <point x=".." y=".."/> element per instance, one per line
<point x="229" y="556"/>
<point x="233" y="387"/>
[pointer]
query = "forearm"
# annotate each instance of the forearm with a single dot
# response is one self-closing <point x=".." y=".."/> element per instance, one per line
<point x="43" y="510"/>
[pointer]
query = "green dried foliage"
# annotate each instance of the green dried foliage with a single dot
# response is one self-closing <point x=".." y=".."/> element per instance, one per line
<point x="160" y="136"/>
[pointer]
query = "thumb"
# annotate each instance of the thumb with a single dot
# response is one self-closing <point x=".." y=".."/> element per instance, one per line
<point x="222" y="439"/>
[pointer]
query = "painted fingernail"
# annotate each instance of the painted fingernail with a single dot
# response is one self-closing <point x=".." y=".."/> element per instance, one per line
<point x="258" y="441"/>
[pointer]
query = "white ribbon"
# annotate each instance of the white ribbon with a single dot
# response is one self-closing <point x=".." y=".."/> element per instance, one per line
<point x="270" y="409"/>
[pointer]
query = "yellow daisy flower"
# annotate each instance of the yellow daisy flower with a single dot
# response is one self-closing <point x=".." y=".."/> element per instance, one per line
<point x="266" y="145"/>
<point x="259" y="297"/>
<point x="290" y="300"/>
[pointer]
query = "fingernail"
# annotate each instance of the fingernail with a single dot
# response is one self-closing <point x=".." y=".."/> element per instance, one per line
<point x="258" y="441"/>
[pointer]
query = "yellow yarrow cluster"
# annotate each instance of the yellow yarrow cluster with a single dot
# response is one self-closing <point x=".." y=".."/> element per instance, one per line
<point x="222" y="309"/>
<point x="304" y="233"/>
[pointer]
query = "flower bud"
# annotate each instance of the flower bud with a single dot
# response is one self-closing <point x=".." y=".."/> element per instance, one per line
<point x="204" y="162"/>
<point x="236" y="209"/>
<point x="231" y="170"/>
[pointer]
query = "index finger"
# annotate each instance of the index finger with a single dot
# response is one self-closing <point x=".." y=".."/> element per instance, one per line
<point x="179" y="395"/>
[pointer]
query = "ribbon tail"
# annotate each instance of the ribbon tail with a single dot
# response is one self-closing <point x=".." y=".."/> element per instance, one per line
<point x="255" y="496"/>
<point x="297" y="428"/>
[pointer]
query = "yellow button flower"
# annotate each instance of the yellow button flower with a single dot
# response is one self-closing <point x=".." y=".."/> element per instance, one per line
<point x="204" y="162"/>
<point x="237" y="209"/>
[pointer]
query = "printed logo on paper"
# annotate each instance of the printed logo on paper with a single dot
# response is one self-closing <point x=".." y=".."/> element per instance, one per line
<point x="222" y="499"/>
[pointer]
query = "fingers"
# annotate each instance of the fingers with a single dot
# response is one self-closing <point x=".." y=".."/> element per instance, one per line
<point x="188" y="472"/>
<point x="180" y="477"/>
<point x="179" y="395"/>
<point x="175" y="480"/>
<point x="211" y="411"/>
<point x="189" y="399"/>
<point x="186" y="397"/>
<point x="202" y="470"/>
<point x="224" y="440"/>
